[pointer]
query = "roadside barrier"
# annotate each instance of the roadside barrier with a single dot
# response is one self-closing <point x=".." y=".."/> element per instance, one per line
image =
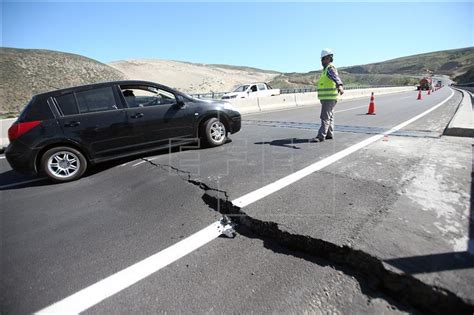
<point x="283" y="101"/>
<point x="277" y="102"/>
<point x="4" y="126"/>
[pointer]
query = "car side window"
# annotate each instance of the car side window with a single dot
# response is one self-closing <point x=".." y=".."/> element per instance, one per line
<point x="253" y="88"/>
<point x="166" y="97"/>
<point x="96" y="100"/>
<point x="144" y="96"/>
<point x="67" y="104"/>
<point x="261" y="87"/>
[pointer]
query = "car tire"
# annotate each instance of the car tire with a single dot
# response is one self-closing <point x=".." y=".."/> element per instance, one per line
<point x="215" y="132"/>
<point x="63" y="164"/>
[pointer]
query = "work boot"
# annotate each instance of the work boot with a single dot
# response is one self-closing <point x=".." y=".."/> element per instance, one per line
<point x="329" y="137"/>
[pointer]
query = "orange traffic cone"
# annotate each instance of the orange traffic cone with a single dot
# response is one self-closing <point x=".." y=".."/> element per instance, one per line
<point x="371" y="105"/>
<point x="429" y="91"/>
<point x="419" y="95"/>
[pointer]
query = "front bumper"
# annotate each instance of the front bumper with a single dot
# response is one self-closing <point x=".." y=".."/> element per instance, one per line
<point x="236" y="124"/>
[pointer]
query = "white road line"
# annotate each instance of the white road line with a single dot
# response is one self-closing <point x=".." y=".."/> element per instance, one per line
<point x="99" y="291"/>
<point x="292" y="178"/>
<point x="90" y="296"/>
<point x="136" y="164"/>
<point x="345" y="110"/>
<point x="2" y="157"/>
<point x="410" y="96"/>
<point x="22" y="183"/>
<point x="282" y="109"/>
<point x="147" y="160"/>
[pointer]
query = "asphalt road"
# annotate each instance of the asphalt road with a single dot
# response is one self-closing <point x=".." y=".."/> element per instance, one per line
<point x="60" y="238"/>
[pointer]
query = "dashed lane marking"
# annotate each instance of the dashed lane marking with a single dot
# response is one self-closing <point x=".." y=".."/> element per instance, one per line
<point x="136" y="164"/>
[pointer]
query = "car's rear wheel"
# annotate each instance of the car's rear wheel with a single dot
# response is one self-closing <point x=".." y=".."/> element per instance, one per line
<point x="215" y="132"/>
<point x="63" y="164"/>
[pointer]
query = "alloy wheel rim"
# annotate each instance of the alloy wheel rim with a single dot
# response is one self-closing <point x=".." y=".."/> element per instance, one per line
<point x="217" y="131"/>
<point x="63" y="164"/>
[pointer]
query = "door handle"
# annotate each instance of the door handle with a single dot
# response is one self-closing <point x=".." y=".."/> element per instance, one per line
<point x="137" y="115"/>
<point x="72" y="124"/>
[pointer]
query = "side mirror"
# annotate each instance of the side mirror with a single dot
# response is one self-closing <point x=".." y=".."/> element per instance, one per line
<point x="180" y="101"/>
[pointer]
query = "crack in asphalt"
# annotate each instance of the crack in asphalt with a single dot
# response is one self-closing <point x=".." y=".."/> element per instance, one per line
<point x="399" y="288"/>
<point x="179" y="172"/>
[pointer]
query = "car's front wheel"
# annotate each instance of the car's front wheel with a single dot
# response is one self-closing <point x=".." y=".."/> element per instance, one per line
<point x="63" y="164"/>
<point x="215" y="132"/>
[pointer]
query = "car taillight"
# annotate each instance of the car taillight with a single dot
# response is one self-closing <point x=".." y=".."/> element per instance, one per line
<point x="20" y="128"/>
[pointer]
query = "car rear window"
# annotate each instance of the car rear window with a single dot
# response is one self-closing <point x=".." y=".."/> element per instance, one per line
<point x="37" y="109"/>
<point x="96" y="100"/>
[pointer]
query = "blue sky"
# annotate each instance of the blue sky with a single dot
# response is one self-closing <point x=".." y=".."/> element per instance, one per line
<point x="278" y="36"/>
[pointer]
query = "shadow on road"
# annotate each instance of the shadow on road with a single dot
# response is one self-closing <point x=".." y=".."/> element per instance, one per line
<point x="287" y="143"/>
<point x="433" y="262"/>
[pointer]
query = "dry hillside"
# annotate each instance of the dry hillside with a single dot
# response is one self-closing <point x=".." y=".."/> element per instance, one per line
<point x="191" y="77"/>
<point x="25" y="72"/>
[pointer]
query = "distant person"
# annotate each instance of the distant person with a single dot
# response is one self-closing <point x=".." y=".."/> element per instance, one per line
<point x="329" y="86"/>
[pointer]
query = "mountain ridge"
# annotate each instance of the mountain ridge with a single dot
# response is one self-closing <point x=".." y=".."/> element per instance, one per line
<point x="26" y="72"/>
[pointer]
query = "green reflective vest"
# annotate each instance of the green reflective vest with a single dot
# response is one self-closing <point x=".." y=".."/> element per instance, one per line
<point x="326" y="87"/>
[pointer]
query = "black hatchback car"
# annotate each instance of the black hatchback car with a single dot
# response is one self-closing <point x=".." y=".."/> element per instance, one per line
<point x="60" y="133"/>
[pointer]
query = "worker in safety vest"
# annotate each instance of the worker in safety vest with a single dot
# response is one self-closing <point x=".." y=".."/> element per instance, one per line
<point x="329" y="86"/>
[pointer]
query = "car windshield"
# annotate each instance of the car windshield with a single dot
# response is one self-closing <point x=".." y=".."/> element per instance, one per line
<point x="241" y="88"/>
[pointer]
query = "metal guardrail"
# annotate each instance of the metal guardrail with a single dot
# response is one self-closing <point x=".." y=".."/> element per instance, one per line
<point x="470" y="84"/>
<point x="218" y="95"/>
<point x="212" y="95"/>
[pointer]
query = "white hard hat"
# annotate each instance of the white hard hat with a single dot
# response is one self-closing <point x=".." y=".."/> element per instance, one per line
<point x="326" y="52"/>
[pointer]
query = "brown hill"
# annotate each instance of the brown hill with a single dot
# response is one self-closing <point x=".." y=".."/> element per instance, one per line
<point x="25" y="72"/>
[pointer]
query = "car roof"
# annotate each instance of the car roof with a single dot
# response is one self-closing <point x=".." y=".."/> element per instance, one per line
<point x="253" y="83"/>
<point x="104" y="84"/>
